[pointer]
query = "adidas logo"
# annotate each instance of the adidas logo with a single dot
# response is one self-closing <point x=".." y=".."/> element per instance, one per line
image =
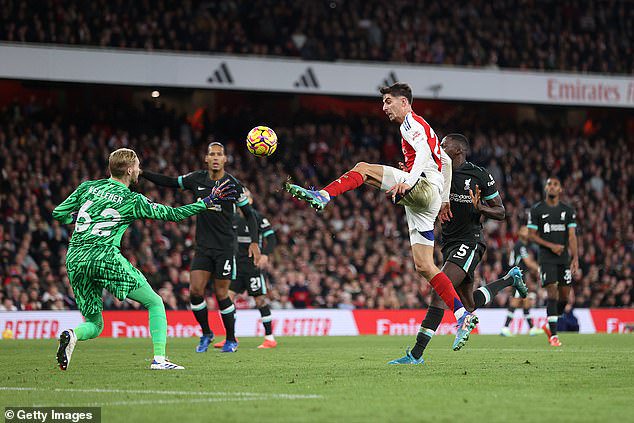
<point x="307" y="80"/>
<point x="435" y="89"/>
<point x="221" y="75"/>
<point x="390" y="80"/>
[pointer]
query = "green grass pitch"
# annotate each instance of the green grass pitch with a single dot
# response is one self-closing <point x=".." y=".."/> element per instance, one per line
<point x="591" y="378"/>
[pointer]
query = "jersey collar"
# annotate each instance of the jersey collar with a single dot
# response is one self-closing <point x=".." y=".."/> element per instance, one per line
<point x="463" y="165"/>
<point x="118" y="183"/>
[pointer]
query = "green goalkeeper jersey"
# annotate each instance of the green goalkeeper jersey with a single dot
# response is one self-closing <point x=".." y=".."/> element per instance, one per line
<point x="105" y="208"/>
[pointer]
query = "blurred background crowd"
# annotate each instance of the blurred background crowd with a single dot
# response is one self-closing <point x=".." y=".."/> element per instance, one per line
<point x="592" y="36"/>
<point x="356" y="253"/>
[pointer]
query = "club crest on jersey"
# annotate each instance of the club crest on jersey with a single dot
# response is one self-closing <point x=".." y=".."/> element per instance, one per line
<point x="563" y="215"/>
<point x="467" y="184"/>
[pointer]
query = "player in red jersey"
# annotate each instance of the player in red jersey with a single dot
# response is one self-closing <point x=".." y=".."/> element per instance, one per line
<point x="421" y="185"/>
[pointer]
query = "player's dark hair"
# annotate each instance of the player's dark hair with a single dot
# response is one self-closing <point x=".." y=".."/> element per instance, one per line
<point x="211" y="144"/>
<point x="554" y="177"/>
<point x="399" y="89"/>
<point x="461" y="140"/>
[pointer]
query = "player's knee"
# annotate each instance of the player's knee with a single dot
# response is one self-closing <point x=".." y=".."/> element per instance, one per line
<point x="362" y="167"/>
<point x="158" y="302"/>
<point x="222" y="293"/>
<point x="196" y="291"/>
<point x="426" y="269"/>
<point x="260" y="301"/>
<point x="553" y="293"/>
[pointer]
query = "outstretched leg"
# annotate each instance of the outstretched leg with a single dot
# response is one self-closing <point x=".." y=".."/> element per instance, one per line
<point x="370" y="174"/>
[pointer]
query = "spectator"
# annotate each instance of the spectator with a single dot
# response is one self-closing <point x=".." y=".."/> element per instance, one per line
<point x="355" y="254"/>
<point x="546" y="35"/>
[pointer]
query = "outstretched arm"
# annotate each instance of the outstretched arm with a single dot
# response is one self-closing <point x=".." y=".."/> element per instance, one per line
<point x="162" y="180"/>
<point x="146" y="209"/>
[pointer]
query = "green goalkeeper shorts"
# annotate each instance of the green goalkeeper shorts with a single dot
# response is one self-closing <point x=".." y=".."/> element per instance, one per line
<point x="91" y="270"/>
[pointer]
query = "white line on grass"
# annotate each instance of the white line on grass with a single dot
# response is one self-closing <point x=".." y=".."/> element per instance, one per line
<point x="155" y="402"/>
<point x="233" y="396"/>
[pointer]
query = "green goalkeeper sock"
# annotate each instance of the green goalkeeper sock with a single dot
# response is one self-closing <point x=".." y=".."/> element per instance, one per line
<point x="91" y="328"/>
<point x="158" y="320"/>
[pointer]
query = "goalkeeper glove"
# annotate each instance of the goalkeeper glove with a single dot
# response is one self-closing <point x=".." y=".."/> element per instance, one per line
<point x="221" y="192"/>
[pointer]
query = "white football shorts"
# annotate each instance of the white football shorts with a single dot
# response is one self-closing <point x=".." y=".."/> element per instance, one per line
<point x="420" y="221"/>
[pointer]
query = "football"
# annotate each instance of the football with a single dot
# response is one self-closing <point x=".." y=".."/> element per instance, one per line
<point x="261" y="141"/>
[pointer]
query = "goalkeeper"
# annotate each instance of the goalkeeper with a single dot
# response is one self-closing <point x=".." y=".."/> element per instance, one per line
<point x="102" y="210"/>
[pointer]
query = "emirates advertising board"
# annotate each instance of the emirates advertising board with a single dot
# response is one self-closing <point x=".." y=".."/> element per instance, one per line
<point x="306" y="322"/>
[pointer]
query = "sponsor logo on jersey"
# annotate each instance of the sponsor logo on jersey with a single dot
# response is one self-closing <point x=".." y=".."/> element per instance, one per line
<point x="201" y="188"/>
<point x="554" y="228"/>
<point x="460" y="198"/>
<point x="544" y="216"/>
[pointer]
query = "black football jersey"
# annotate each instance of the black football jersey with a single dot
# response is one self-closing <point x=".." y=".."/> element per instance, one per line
<point x="244" y="237"/>
<point x="465" y="225"/>
<point x="551" y="224"/>
<point x="215" y="228"/>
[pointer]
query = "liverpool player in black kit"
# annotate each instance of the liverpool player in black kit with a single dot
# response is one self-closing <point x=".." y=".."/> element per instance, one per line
<point x="521" y="257"/>
<point x="250" y="277"/>
<point x="552" y="225"/>
<point x="473" y="194"/>
<point x="215" y="242"/>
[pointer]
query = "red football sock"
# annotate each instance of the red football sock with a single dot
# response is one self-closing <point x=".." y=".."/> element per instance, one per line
<point x="346" y="182"/>
<point x="443" y="287"/>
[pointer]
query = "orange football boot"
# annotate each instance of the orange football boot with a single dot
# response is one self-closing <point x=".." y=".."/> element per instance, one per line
<point x="268" y="344"/>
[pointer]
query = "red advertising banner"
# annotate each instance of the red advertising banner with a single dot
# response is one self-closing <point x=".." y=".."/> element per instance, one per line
<point x="306" y="322"/>
<point x="134" y="324"/>
<point x="399" y="322"/>
<point x="613" y="320"/>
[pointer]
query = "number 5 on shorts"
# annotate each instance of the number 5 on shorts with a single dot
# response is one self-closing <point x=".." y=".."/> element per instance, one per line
<point x="462" y="251"/>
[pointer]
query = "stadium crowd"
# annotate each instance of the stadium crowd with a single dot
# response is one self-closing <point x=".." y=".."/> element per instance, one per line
<point x="566" y="35"/>
<point x="354" y="255"/>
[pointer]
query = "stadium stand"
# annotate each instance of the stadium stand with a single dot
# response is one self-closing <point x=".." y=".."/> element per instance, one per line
<point x="355" y="255"/>
<point x="545" y="35"/>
